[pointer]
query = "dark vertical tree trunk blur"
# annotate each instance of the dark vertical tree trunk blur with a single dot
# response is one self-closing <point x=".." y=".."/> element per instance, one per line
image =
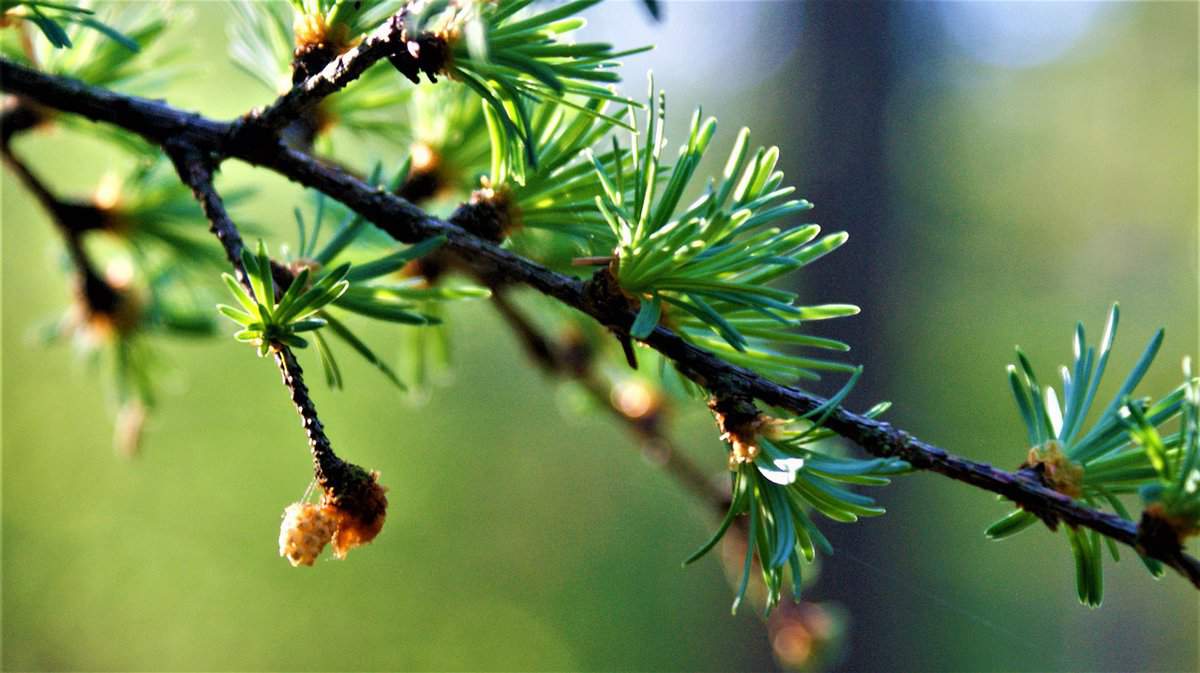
<point x="844" y="172"/>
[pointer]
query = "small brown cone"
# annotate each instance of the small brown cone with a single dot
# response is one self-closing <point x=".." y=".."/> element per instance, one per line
<point x="305" y="531"/>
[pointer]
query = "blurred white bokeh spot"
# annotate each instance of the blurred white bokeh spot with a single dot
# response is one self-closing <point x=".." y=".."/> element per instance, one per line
<point x="1018" y="34"/>
<point x="711" y="40"/>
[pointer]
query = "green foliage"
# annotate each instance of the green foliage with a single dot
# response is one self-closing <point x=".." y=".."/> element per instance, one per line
<point x="59" y="20"/>
<point x="261" y="43"/>
<point x="563" y="133"/>
<point x="269" y="322"/>
<point x="448" y="137"/>
<point x="514" y="60"/>
<point x="378" y="287"/>
<point x="154" y="303"/>
<point x="557" y="192"/>
<point x="155" y="214"/>
<point x="116" y="53"/>
<point x="711" y="262"/>
<point x="1173" y="493"/>
<point x="128" y="55"/>
<point x="790" y="476"/>
<point x="354" y="17"/>
<point x="527" y="123"/>
<point x="1095" y="466"/>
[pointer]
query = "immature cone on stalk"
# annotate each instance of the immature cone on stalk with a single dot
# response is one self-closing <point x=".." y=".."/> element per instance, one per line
<point x="351" y="513"/>
<point x="305" y="531"/>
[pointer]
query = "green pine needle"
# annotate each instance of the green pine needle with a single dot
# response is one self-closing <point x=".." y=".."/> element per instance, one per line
<point x="790" y="477"/>
<point x="1121" y="453"/>
<point x="514" y="60"/>
<point x="705" y="267"/>
<point x="53" y="19"/>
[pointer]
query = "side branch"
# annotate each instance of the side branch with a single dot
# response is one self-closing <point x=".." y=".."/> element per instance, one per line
<point x="71" y="219"/>
<point x="406" y="223"/>
<point x="411" y="54"/>
<point x="196" y="172"/>
<point x="338" y="73"/>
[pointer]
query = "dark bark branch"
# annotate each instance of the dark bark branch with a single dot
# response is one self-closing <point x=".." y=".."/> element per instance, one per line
<point x="338" y="73"/>
<point x="410" y="55"/>
<point x="154" y="120"/>
<point x="17" y="117"/>
<point x="48" y="201"/>
<point x="195" y="171"/>
<point x="537" y="346"/>
<point x="406" y="223"/>
<point x="329" y="469"/>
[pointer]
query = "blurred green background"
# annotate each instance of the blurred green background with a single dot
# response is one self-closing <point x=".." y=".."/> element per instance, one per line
<point x="1003" y="170"/>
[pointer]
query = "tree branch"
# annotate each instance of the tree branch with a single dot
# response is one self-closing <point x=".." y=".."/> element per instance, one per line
<point x="196" y="172"/>
<point x="406" y="223"/>
<point x="411" y="55"/>
<point x="17" y="116"/>
<point x="334" y="76"/>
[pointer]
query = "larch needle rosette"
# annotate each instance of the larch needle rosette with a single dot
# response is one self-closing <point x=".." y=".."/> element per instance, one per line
<point x="1098" y="464"/>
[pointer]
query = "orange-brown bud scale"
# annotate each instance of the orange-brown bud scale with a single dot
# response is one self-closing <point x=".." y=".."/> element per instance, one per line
<point x="1057" y="470"/>
<point x="102" y="326"/>
<point x="312" y="30"/>
<point x="317" y="43"/>
<point x="740" y="425"/>
<point x="297" y="265"/>
<point x="358" y="505"/>
<point x="1183" y="527"/>
<point x="429" y="177"/>
<point x="488" y="214"/>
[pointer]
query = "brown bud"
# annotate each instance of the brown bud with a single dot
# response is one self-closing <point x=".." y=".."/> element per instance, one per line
<point x="1057" y="470"/>
<point x="358" y="507"/>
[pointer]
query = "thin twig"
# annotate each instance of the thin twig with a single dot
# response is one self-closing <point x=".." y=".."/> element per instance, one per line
<point x="159" y="122"/>
<point x="340" y="72"/>
<point x="71" y="219"/>
<point x="388" y="41"/>
<point x="196" y="172"/>
<point x="17" y="116"/>
<point x="577" y="364"/>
